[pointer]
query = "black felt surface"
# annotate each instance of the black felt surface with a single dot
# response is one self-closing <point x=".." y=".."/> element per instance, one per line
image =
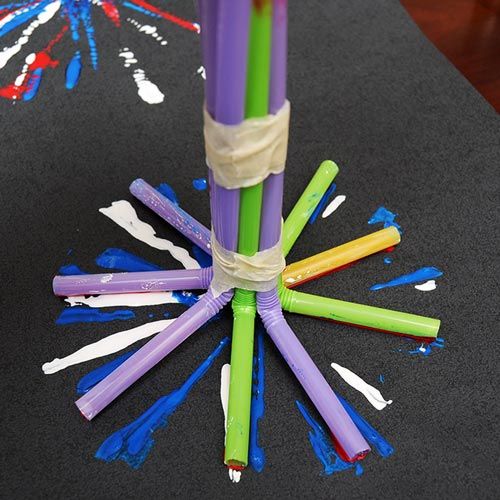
<point x="408" y="131"/>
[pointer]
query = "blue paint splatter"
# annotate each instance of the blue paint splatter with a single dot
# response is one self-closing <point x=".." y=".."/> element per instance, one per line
<point x="323" y="447"/>
<point x="92" y="315"/>
<point x="256" y="455"/>
<point x="140" y="9"/>
<point x="387" y="260"/>
<point x="33" y="85"/>
<point x="29" y="12"/>
<point x="321" y="205"/>
<point x="151" y="315"/>
<point x="168" y="191"/>
<point x="73" y="70"/>
<point x="69" y="252"/>
<point x="70" y="270"/>
<point x="187" y="299"/>
<point x="166" y="314"/>
<point x="423" y="274"/>
<point x="381" y="378"/>
<point x="386" y="217"/>
<point x="383" y="448"/>
<point x="133" y="443"/>
<point x="95" y="376"/>
<point x="116" y="258"/>
<point x="200" y="184"/>
<point x="426" y="349"/>
<point x="201" y="256"/>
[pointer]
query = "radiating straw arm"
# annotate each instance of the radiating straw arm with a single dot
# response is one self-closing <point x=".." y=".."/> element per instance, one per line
<point x="150" y="354"/>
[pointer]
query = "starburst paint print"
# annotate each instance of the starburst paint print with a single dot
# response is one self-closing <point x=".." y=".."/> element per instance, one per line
<point x="74" y="18"/>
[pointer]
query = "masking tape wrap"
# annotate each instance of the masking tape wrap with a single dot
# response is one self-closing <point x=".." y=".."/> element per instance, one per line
<point x="245" y="154"/>
<point x="258" y="272"/>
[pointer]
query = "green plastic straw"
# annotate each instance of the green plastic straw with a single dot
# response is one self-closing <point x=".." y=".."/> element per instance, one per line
<point x="244" y="305"/>
<point x="358" y="314"/>
<point x="307" y="203"/>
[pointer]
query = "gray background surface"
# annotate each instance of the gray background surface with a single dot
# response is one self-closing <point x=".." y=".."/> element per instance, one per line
<point x="407" y="130"/>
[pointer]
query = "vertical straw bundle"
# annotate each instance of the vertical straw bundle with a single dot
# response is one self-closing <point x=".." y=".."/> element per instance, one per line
<point x="244" y="52"/>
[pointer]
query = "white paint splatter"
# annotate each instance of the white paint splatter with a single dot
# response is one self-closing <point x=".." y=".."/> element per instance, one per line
<point x="123" y="299"/>
<point x="225" y="373"/>
<point x="148" y="30"/>
<point x="46" y="15"/>
<point x="201" y="71"/>
<point x="147" y="90"/>
<point x="234" y="475"/>
<point x="333" y="205"/>
<point x="427" y="286"/>
<point x="373" y="395"/>
<point x="108" y="345"/>
<point x="123" y="213"/>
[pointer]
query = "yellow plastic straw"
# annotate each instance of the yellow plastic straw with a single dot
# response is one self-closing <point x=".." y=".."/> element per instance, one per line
<point x="325" y="262"/>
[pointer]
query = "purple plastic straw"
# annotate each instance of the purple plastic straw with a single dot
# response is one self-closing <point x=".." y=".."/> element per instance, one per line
<point x="150" y="354"/>
<point x="172" y="213"/>
<point x="208" y="15"/>
<point x="136" y="282"/>
<point x="231" y="64"/>
<point x="269" y="307"/>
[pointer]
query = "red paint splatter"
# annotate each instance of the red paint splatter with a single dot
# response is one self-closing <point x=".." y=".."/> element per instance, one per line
<point x="42" y="61"/>
<point x="111" y="12"/>
<point x="188" y="25"/>
<point x="390" y="249"/>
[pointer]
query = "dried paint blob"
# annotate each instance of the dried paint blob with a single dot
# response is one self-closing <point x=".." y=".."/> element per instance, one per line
<point x="427" y="286"/>
<point x="147" y="90"/>
<point x="200" y="184"/>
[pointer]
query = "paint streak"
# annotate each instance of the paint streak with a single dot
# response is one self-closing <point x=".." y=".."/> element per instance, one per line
<point x="73" y="71"/>
<point x="427" y="286"/>
<point x="146" y="90"/>
<point x="201" y="71"/>
<point x="122" y="213"/>
<point x="384" y="449"/>
<point x="147" y="29"/>
<point x="372" y="394"/>
<point x="201" y="256"/>
<point x="116" y="258"/>
<point x="33" y="85"/>
<point x="90" y="315"/>
<point x="188" y="25"/>
<point x="70" y="270"/>
<point x="132" y="6"/>
<point x="225" y="375"/>
<point x="256" y="455"/>
<point x="382" y="215"/>
<point x="426" y="349"/>
<point x="86" y="18"/>
<point x="111" y="12"/>
<point x="387" y="260"/>
<point x="95" y="376"/>
<point x="381" y="378"/>
<point x="124" y="299"/>
<point x="108" y="345"/>
<point x="337" y="201"/>
<point x="321" y="205"/>
<point x="133" y="443"/>
<point x="168" y="191"/>
<point x="200" y="184"/>
<point x="423" y="274"/>
<point x="323" y="447"/>
<point x="45" y="15"/>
